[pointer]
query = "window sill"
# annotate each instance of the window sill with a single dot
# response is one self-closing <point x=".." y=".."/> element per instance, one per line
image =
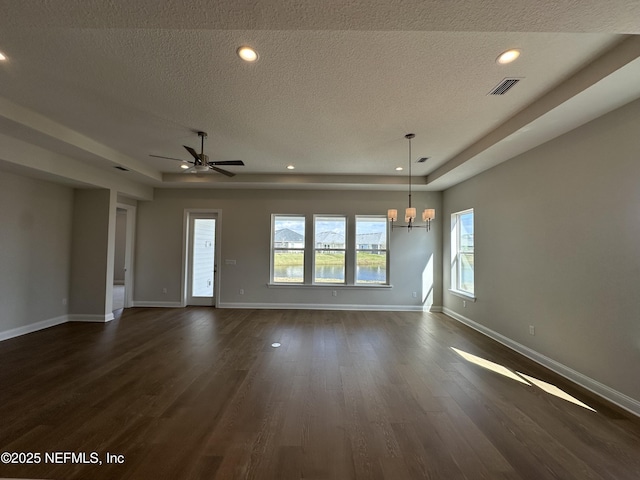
<point x="340" y="286"/>
<point x="465" y="295"/>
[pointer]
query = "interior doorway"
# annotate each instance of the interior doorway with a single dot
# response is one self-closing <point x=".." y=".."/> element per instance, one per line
<point x="202" y="258"/>
<point x="119" y="268"/>
<point x="123" y="257"/>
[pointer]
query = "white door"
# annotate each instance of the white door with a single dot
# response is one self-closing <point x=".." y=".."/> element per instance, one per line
<point x="201" y="271"/>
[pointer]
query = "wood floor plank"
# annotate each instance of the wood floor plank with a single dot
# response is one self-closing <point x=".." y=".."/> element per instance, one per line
<point x="201" y="393"/>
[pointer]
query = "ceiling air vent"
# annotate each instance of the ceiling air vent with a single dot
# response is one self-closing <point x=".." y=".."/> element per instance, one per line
<point x="121" y="168"/>
<point x="504" y="86"/>
<point x="423" y="159"/>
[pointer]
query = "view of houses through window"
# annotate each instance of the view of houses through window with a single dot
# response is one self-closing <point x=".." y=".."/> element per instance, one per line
<point x="331" y="250"/>
<point x="330" y="233"/>
<point x="288" y="248"/>
<point x="371" y="249"/>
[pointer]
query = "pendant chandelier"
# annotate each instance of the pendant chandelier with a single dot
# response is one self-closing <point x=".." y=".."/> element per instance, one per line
<point x="410" y="212"/>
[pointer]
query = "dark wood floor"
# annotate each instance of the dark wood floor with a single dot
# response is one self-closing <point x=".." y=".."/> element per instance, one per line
<point x="200" y="393"/>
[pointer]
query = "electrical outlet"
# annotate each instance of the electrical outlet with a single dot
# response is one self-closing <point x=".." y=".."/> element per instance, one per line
<point x="464" y="304"/>
<point x="414" y="294"/>
<point x="532" y="330"/>
<point x="64" y="301"/>
<point x="164" y="290"/>
<point x="242" y="291"/>
<point x="334" y="293"/>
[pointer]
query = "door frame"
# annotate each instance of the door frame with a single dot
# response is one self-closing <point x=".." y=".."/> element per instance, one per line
<point x="194" y="212"/>
<point x="130" y="238"/>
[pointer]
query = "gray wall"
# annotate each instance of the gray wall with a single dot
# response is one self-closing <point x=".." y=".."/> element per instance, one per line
<point x="245" y="224"/>
<point x="35" y="249"/>
<point x="557" y="238"/>
<point x="92" y="254"/>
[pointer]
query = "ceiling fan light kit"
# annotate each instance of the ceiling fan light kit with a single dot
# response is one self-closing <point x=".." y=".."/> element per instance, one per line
<point x="410" y="213"/>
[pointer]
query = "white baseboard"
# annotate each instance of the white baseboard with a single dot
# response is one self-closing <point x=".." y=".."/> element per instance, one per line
<point x="623" y="401"/>
<point x="323" y="306"/>
<point x="91" y="318"/>
<point x="33" y="327"/>
<point x="142" y="303"/>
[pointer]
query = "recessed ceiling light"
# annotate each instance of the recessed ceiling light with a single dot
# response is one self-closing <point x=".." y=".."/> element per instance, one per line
<point x="508" y="56"/>
<point x="247" y="54"/>
<point x="399" y="169"/>
<point x="290" y="167"/>
<point x="2" y="57"/>
<point x="184" y="166"/>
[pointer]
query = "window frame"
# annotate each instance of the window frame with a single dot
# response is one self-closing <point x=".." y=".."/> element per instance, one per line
<point x="345" y="249"/>
<point x="456" y="254"/>
<point x="275" y="249"/>
<point x="357" y="249"/>
<point x="308" y="262"/>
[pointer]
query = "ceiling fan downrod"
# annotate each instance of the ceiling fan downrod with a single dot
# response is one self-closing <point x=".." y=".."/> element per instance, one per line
<point x="203" y="158"/>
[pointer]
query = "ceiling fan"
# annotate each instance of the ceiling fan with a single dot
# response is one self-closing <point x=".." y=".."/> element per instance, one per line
<point x="201" y="161"/>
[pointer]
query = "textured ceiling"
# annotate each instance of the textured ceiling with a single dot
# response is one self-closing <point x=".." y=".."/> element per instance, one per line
<point x="336" y="87"/>
<point x="612" y="16"/>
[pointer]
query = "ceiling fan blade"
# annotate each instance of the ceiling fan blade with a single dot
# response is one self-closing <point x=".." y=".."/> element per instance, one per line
<point x="228" y="162"/>
<point x="168" y="158"/>
<point x="220" y="170"/>
<point x="193" y="153"/>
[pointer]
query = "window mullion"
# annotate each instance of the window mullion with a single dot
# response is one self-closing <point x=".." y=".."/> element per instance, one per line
<point x="309" y="257"/>
<point x="350" y="253"/>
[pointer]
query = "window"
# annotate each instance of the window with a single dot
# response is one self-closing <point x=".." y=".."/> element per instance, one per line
<point x="329" y="250"/>
<point x="287" y="263"/>
<point x="371" y="249"/>
<point x="330" y="233"/>
<point x="462" y="256"/>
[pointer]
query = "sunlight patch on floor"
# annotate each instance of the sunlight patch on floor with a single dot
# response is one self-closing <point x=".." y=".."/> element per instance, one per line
<point x="520" y="377"/>
<point x="553" y="390"/>
<point x="494" y="367"/>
